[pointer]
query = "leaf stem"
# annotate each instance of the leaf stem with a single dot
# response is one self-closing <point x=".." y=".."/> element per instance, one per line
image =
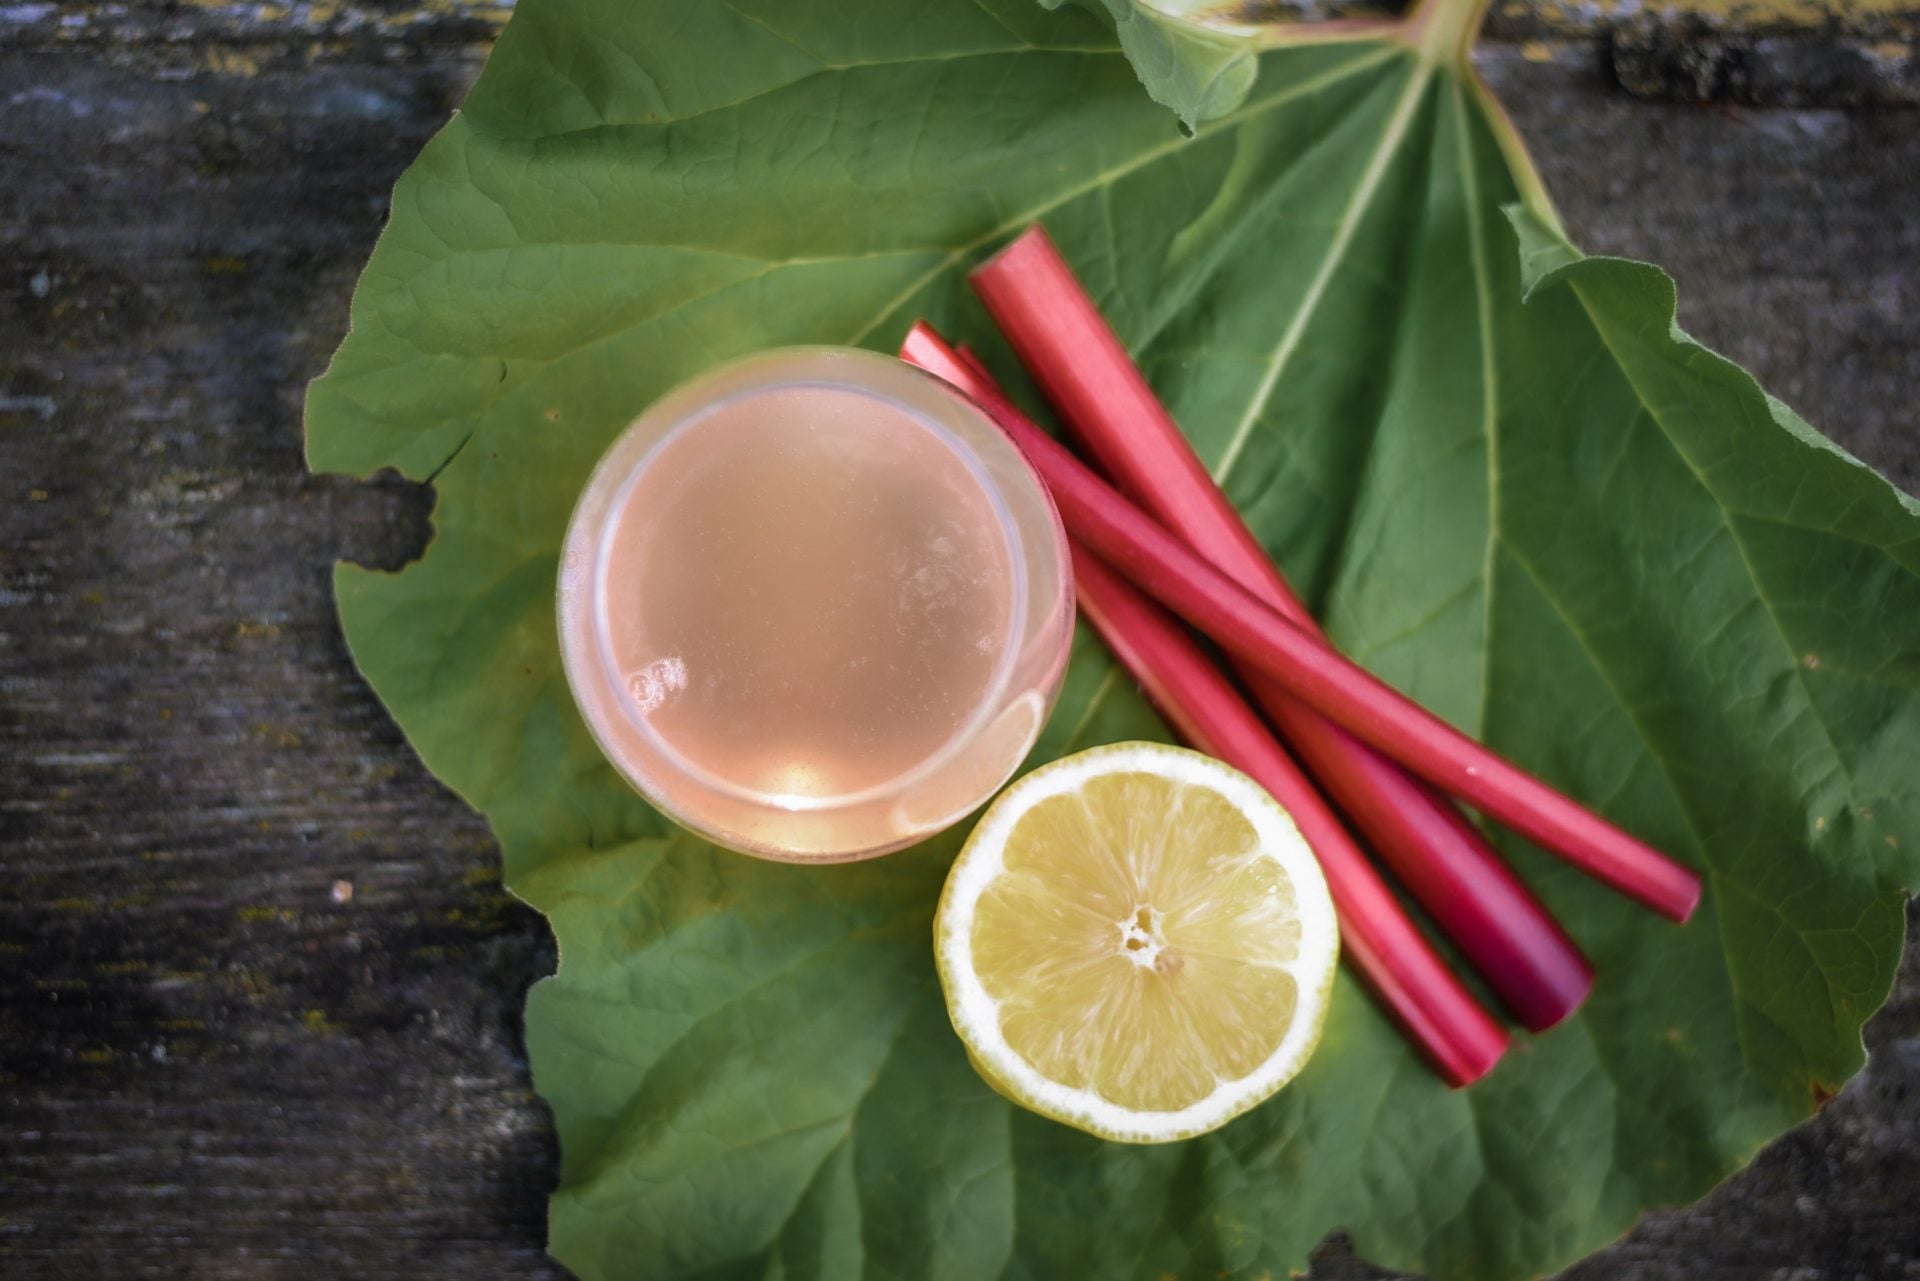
<point x="1513" y="149"/>
<point x="1442" y="32"/>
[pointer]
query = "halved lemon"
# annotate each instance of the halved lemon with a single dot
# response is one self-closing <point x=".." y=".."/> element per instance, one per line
<point x="1137" y="941"/>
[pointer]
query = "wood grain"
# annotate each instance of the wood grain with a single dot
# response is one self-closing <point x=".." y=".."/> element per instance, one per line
<point x="259" y="986"/>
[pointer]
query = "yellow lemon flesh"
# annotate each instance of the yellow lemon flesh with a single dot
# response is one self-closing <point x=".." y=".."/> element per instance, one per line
<point x="1136" y="941"/>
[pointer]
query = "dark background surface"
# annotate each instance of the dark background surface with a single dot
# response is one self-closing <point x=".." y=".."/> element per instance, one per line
<point x="259" y="985"/>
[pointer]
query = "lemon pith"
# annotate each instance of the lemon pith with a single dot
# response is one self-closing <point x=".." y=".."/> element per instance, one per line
<point x="1136" y="941"/>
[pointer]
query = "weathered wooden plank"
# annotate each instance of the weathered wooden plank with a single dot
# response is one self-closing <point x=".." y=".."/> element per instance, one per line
<point x="219" y="1060"/>
<point x="259" y="988"/>
<point x="1765" y="52"/>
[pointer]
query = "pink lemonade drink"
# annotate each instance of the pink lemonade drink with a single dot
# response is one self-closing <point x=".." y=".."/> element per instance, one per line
<point x="814" y="605"/>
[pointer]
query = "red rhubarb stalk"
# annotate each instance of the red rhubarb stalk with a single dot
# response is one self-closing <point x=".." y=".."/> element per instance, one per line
<point x="1303" y="665"/>
<point x="1433" y="1008"/>
<point x="1442" y="860"/>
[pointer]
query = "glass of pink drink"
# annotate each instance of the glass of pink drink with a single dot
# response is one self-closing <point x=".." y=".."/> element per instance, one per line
<point x="814" y="605"/>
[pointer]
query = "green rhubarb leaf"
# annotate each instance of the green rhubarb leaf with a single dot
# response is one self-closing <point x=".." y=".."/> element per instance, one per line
<point x="1198" y="71"/>
<point x="1199" y="58"/>
<point x="1504" y="478"/>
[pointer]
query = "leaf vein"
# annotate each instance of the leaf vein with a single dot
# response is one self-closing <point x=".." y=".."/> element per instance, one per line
<point x="1350" y="218"/>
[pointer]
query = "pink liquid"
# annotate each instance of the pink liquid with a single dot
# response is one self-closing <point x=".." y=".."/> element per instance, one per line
<point x="809" y="607"/>
<point x="828" y="593"/>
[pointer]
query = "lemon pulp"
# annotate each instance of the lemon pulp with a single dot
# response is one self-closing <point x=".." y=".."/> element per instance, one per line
<point x="1137" y="941"/>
